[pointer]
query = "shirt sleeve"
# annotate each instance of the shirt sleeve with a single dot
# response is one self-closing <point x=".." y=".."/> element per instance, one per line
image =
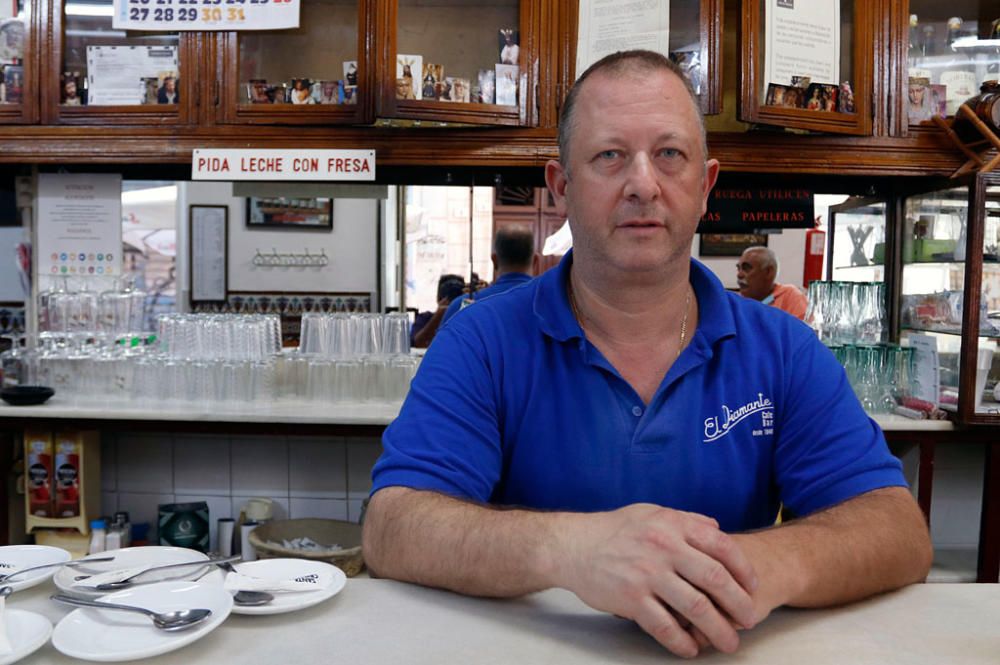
<point x="446" y="437"/>
<point x="828" y="449"/>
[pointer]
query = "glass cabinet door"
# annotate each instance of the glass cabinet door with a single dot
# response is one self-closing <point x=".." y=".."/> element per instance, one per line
<point x="982" y="355"/>
<point x="18" y="74"/>
<point x="99" y="73"/>
<point x="459" y="61"/>
<point x="933" y="296"/>
<point x="951" y="50"/>
<point x="809" y="65"/>
<point x="313" y="74"/>
<point x="858" y="241"/>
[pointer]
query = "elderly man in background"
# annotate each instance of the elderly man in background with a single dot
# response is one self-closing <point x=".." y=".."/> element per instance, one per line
<point x="756" y="273"/>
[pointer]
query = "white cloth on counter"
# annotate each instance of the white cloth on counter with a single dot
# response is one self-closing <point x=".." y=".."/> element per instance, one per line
<point x="241" y="582"/>
<point x="5" y="646"/>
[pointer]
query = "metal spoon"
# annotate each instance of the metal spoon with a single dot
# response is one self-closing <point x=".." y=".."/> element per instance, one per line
<point x="130" y="581"/>
<point x="79" y="562"/>
<point x="246" y="598"/>
<point x="169" y="621"/>
<point x="252" y="598"/>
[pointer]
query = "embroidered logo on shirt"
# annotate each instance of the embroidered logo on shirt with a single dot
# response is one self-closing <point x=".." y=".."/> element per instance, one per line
<point x="719" y="426"/>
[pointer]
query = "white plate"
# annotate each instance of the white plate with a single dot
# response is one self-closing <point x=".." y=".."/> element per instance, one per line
<point x="137" y="557"/>
<point x="26" y="631"/>
<point x="15" y="557"/>
<point x="329" y="581"/>
<point x="110" y="635"/>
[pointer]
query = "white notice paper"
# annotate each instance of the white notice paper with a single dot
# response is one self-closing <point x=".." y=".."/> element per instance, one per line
<point x="926" y="376"/>
<point x="79" y="224"/>
<point x="802" y="38"/>
<point x="607" y="26"/>
<point x="116" y="73"/>
<point x="208" y="253"/>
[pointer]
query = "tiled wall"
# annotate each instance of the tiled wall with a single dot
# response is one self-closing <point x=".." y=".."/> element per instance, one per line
<point x="304" y="476"/>
<point x="330" y="476"/>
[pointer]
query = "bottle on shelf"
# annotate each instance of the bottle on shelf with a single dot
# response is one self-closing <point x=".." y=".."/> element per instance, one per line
<point x="97" y="537"/>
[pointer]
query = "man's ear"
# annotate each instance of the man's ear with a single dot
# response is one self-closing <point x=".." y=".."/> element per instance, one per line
<point x="556" y="179"/>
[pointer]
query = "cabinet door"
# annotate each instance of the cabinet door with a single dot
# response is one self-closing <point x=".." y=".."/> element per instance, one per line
<point x="934" y="290"/>
<point x="97" y="74"/>
<point x="18" y="69"/>
<point x="830" y="43"/>
<point x="317" y="73"/>
<point x="951" y="50"/>
<point x="980" y="395"/>
<point x="460" y="61"/>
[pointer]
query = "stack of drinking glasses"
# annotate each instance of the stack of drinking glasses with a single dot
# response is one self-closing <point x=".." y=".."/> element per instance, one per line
<point x="847" y="312"/>
<point x="85" y="340"/>
<point x="350" y="357"/>
<point x="849" y="317"/>
<point x="212" y="360"/>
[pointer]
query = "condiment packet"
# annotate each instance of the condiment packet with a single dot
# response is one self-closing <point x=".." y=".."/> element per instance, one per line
<point x="5" y="646"/>
<point x="308" y="582"/>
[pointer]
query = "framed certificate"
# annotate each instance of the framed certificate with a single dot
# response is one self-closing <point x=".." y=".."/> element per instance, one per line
<point x="209" y="235"/>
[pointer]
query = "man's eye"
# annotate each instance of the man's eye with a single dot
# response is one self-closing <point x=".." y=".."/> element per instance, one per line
<point x="608" y="154"/>
<point x="670" y="152"/>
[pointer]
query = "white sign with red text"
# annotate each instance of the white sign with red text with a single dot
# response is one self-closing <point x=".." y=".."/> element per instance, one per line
<point x="278" y="164"/>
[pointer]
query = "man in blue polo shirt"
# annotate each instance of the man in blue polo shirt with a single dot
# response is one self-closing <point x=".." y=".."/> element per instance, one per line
<point x="624" y="428"/>
<point x="513" y="255"/>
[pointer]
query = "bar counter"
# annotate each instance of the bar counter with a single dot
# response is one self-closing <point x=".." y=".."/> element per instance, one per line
<point x="379" y="621"/>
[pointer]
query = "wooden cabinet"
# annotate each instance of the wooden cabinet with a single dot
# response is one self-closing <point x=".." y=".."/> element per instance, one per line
<point x="219" y="75"/>
<point x="936" y="247"/>
<point x="18" y="70"/>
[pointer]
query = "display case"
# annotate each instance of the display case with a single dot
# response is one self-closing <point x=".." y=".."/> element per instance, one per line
<point x="18" y="69"/>
<point x="98" y="74"/>
<point x="462" y="62"/>
<point x="950" y="291"/>
<point x="950" y="51"/>
<point x="810" y="65"/>
<point x="318" y="73"/>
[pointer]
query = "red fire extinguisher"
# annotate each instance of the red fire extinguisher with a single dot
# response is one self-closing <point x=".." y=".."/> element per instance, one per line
<point x="812" y="268"/>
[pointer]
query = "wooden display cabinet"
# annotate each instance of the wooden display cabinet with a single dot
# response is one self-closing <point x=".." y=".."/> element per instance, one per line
<point x="463" y="38"/>
<point x="937" y="248"/>
<point x="331" y="34"/>
<point x="862" y="29"/>
<point x="72" y="27"/>
<point x="18" y="66"/>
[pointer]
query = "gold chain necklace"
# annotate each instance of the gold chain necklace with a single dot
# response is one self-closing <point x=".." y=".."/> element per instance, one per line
<point x="684" y="321"/>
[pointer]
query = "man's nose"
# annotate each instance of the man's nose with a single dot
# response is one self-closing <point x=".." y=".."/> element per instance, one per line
<point x="641" y="182"/>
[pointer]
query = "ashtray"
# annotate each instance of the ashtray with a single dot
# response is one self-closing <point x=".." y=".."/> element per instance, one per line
<point x="26" y="395"/>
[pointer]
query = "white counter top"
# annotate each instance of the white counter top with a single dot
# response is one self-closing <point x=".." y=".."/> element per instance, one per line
<point x="377" y="621"/>
<point x="280" y="411"/>
<point x="296" y="411"/>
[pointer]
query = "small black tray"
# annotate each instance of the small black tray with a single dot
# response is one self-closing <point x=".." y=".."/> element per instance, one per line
<point x="26" y="395"/>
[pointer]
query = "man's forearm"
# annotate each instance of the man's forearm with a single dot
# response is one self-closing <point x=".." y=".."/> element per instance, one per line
<point x="439" y="541"/>
<point x="872" y="543"/>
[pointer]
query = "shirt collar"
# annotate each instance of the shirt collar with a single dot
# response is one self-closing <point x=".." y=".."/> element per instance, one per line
<point x="555" y="316"/>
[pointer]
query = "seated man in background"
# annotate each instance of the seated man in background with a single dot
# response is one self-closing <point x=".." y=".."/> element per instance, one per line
<point x="625" y="428"/>
<point x="513" y="260"/>
<point x="755" y="274"/>
<point x="426" y="324"/>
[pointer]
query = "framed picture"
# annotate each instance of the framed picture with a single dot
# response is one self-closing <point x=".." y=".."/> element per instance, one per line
<point x="209" y="231"/>
<point x="297" y="213"/>
<point x="729" y="244"/>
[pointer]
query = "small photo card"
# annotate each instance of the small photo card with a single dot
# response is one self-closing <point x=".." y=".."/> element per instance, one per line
<point x="408" y="66"/>
<point x="506" y="84"/>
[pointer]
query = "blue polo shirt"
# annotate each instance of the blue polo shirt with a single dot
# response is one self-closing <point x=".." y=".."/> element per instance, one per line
<point x="512" y="405"/>
<point x="503" y="283"/>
